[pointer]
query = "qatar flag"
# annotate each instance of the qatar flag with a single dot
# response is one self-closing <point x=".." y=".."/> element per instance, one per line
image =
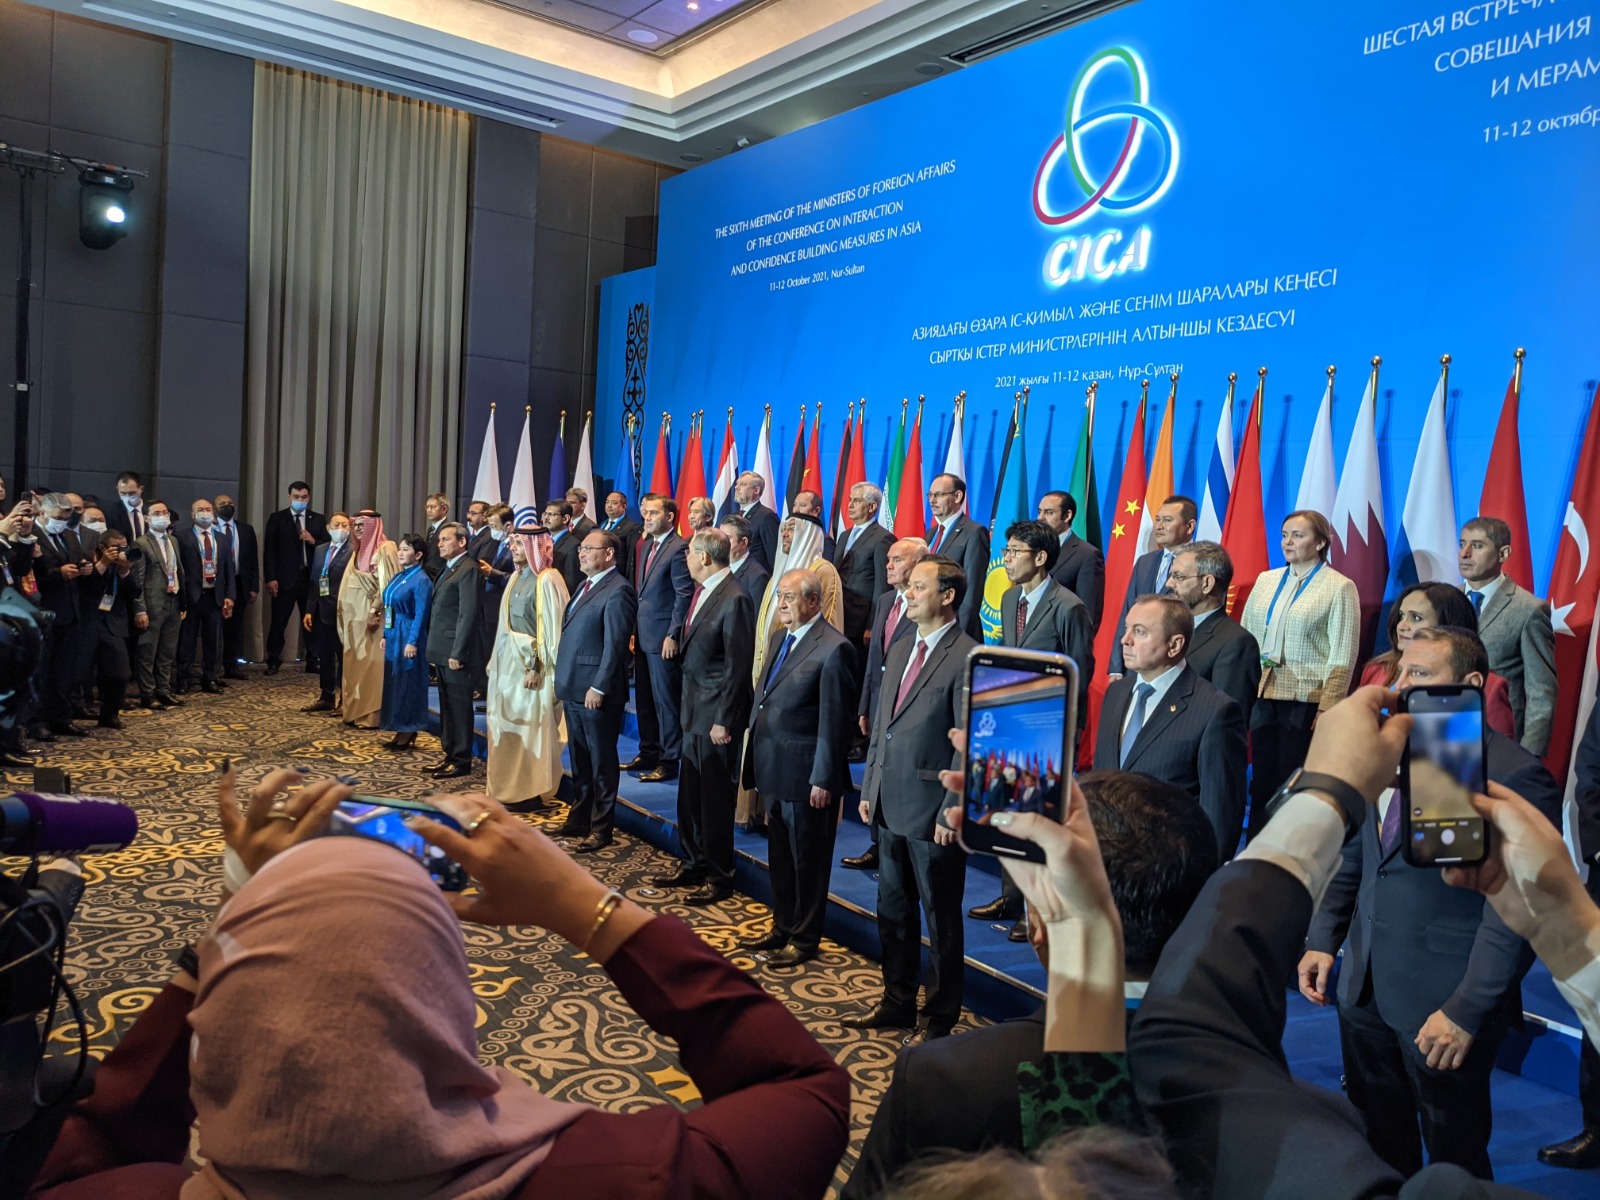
<point x="1360" y="545"/>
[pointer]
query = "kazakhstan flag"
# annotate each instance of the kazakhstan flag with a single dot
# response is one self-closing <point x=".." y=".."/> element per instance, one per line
<point x="1010" y="504"/>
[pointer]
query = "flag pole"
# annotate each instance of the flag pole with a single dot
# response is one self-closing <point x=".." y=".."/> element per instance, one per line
<point x="1093" y="394"/>
<point x="1444" y="380"/>
<point x="1172" y="397"/>
<point x="1261" y="395"/>
<point x="1516" y="373"/>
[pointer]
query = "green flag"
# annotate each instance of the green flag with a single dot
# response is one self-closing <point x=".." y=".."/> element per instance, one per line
<point x="891" y="486"/>
<point x="1086" y="522"/>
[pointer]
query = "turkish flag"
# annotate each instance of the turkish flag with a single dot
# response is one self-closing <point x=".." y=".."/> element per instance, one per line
<point x="1574" y="585"/>
<point x="1244" y="529"/>
<point x="1502" y="487"/>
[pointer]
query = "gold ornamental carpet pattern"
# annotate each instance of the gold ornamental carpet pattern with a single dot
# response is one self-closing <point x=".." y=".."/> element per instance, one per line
<point x="544" y="1011"/>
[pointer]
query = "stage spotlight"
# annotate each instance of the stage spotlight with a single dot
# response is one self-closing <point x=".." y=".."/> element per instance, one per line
<point x="103" y="207"/>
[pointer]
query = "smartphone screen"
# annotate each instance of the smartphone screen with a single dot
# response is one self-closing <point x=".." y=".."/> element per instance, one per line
<point x="384" y="820"/>
<point x="1444" y="765"/>
<point x="1021" y="713"/>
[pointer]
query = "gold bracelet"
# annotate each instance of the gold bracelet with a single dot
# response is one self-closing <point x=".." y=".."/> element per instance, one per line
<point x="608" y="904"/>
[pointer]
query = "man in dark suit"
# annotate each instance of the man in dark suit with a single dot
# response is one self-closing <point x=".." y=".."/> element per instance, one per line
<point x="714" y="654"/>
<point x="1037" y="613"/>
<point x="329" y="562"/>
<point x="746" y="570"/>
<point x="862" y="560"/>
<point x="210" y="587"/>
<point x="578" y="501"/>
<point x="592" y="685"/>
<point x="450" y="623"/>
<point x="797" y="760"/>
<point x="1222" y="651"/>
<point x="920" y="860"/>
<point x="747" y="492"/>
<point x="661" y="579"/>
<point x="70" y="641"/>
<point x="491" y="555"/>
<point x="1081" y="568"/>
<point x="1431" y="973"/>
<point x="1172" y="526"/>
<point x="963" y="542"/>
<point x="437" y="510"/>
<point x="625" y="529"/>
<point x="810" y="502"/>
<point x="158" y="613"/>
<point x="246" y="554"/>
<point x="127" y="515"/>
<point x="563" y="542"/>
<point x="290" y="536"/>
<point x="114" y="593"/>
<point x="1158" y="851"/>
<point x="1164" y="720"/>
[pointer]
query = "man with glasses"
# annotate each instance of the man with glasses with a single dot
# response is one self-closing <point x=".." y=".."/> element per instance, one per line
<point x="1222" y="651"/>
<point x="963" y="541"/>
<point x="1171" y="526"/>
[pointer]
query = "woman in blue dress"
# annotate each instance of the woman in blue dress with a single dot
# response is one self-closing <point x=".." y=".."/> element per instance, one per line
<point x="405" y="637"/>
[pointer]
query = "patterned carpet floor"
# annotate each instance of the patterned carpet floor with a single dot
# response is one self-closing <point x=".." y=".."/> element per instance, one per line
<point x="545" y="1012"/>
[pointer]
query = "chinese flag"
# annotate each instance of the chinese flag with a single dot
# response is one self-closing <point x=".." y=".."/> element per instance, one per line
<point x="692" y="478"/>
<point x="910" y="515"/>
<point x="661" y="475"/>
<point x="1122" y="547"/>
<point x="1574" y="584"/>
<point x="1502" y="485"/>
<point x="1244" y="530"/>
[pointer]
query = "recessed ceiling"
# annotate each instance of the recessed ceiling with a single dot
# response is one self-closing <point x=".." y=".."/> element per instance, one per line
<point x="656" y="26"/>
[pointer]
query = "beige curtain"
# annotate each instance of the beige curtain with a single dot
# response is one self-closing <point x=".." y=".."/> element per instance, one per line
<point x="358" y="225"/>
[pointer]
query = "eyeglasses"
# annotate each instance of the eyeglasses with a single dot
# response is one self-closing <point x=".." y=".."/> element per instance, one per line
<point x="1171" y="575"/>
<point x="1014" y="551"/>
<point x="940" y="495"/>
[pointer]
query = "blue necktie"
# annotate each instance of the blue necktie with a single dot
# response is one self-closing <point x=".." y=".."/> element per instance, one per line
<point x="1162" y="570"/>
<point x="777" y="663"/>
<point x="1141" y="697"/>
<point x="1477" y="602"/>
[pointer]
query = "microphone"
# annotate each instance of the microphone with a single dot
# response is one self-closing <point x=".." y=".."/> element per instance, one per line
<point x="44" y="824"/>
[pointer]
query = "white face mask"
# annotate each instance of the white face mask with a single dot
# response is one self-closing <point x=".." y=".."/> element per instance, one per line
<point x="132" y="501"/>
<point x="160" y="524"/>
<point x="26" y="541"/>
<point x="338" y="536"/>
<point x="498" y="535"/>
<point x="55" y="525"/>
<point x="97" y="526"/>
<point x="202" y="520"/>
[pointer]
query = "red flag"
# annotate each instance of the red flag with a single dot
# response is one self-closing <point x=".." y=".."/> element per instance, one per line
<point x="910" y="515"/>
<point x="797" y="466"/>
<point x="1502" y="485"/>
<point x="1244" y="531"/>
<point x="1122" y="548"/>
<point x="1574" y="585"/>
<point x="811" y="481"/>
<point x="856" y="470"/>
<point x="661" y="476"/>
<point x="1360" y="544"/>
<point x="840" y="521"/>
<point x="692" y="475"/>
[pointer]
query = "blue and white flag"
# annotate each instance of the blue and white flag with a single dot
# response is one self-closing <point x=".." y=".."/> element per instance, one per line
<point x="1219" y="478"/>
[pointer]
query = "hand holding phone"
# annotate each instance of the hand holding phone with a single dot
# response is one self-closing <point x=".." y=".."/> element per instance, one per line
<point x="1445" y="765"/>
<point x="384" y="820"/>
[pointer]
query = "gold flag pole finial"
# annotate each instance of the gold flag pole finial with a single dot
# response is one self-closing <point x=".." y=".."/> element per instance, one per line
<point x="1092" y="394"/>
<point x="730" y="414"/>
<point x="921" y="400"/>
<point x="1027" y="390"/>
<point x="1172" y="396"/>
<point x="491" y="406"/>
<point x="1261" y="395"/>
<point x="1516" y="373"/>
<point x="1377" y="361"/>
<point x="526" y="409"/>
<point x="903" y="403"/>
<point x="1332" y="371"/>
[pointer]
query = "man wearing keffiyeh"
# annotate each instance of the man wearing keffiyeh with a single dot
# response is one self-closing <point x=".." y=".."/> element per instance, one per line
<point x="361" y="619"/>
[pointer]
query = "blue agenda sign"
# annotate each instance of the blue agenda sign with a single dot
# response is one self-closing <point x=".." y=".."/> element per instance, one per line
<point x="1172" y="188"/>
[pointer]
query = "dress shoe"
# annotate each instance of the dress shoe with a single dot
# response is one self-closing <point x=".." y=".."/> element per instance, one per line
<point x="272" y="669"/>
<point x="322" y="705"/>
<point x="401" y="743"/>
<point x="663" y="773"/>
<point x="592" y="843"/>
<point x="312" y="666"/>
<point x="12" y="762"/>
<point x="790" y="956"/>
<point x="210" y="688"/>
<point x="924" y="1033"/>
<point x="110" y="723"/>
<point x="637" y="764"/>
<point x="220" y="681"/>
<point x="862" y="862"/>
<point x="438" y="766"/>
<point x="80" y="713"/>
<point x="568" y="829"/>
<point x="682" y="877"/>
<point x="233" y="673"/>
<point x="40" y="734"/>
<point x="453" y="771"/>
<point x="166" y="701"/>
<point x="181" y="688"/>
<point x="1000" y="909"/>
<point x="879" y="1017"/>
<point x="775" y="940"/>
<point x="1018" y="931"/>
<point x="531" y="805"/>
<point x="146" y="701"/>
<point x="709" y="893"/>
<point x="66" y="729"/>
<point x="1577" y="1153"/>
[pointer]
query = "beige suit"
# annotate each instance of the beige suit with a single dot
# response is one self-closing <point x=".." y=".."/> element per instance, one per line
<point x="1321" y="640"/>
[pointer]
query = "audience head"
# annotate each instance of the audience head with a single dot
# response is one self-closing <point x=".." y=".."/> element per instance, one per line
<point x="616" y="506"/>
<point x="113" y="544"/>
<point x="903" y="555"/>
<point x="808" y="501"/>
<point x="702" y="513"/>
<point x="1443" y="655"/>
<point x="1101" y="1162"/>
<point x="599" y="551"/>
<point x="578" y="498"/>
<point x="1485" y="546"/>
<point x="748" y="489"/>
<point x="708" y="554"/>
<point x="1173" y="523"/>
<point x="865" y="500"/>
<point x="159" y="516"/>
<point x="477" y="515"/>
<point x="54" y="509"/>
<point x="411" y="549"/>
<point x="456" y="542"/>
<point x="786" y="533"/>
<point x="936" y="590"/>
<point x="436" y="507"/>
<point x="501" y="519"/>
<point x="339" y="529"/>
<point x="1201" y="574"/>
<point x="737" y="528"/>
<point x="659" y="514"/>
<point x="557" y="516"/>
<point x="1427" y="606"/>
<point x="1058" y="510"/>
<point x="94" y="517"/>
<point x="1032" y="548"/>
<point x="947" y="496"/>
<point x="799" y="598"/>
<point x="226" y="510"/>
<point x="201" y="514"/>
<point x="299" y="496"/>
<point x="75" y="502"/>
<point x="1156" y="635"/>
<point x="130" y="489"/>
<point x="1305" y="538"/>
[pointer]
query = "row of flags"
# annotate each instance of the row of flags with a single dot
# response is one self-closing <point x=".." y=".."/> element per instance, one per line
<point x="521" y="497"/>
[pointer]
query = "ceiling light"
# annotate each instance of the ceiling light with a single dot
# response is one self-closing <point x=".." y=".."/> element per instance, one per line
<point x="691" y="157"/>
<point x="643" y="36"/>
<point x="929" y="69"/>
<point x="692" y="6"/>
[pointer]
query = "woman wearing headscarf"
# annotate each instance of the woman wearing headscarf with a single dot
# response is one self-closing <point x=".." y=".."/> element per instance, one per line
<point x="406" y="599"/>
<point x="527" y="725"/>
<point x="361" y="620"/>
<point x="334" y="1053"/>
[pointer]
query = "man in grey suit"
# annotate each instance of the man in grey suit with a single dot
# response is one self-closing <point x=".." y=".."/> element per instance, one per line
<point x="451" y="619"/>
<point x="1171" y="527"/>
<point x="747" y="492"/>
<point x="797" y="760"/>
<point x="158" y="610"/>
<point x="1515" y="628"/>
<point x="1081" y="568"/>
<point x="661" y="580"/>
<point x="1222" y="651"/>
<point x="862" y="560"/>
<point x="592" y="685"/>
<point x="1166" y="721"/>
<point x="963" y="541"/>
<point x="921" y="863"/>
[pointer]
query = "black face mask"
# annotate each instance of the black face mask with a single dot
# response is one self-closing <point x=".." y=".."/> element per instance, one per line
<point x="224" y="512"/>
<point x="73" y="518"/>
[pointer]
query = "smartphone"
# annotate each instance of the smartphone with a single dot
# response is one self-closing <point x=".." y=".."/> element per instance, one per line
<point x="1022" y="711"/>
<point x="384" y="820"/>
<point x="1444" y="764"/>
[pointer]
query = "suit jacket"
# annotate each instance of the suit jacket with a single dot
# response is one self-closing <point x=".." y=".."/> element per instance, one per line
<point x="1225" y="654"/>
<point x="594" y="643"/>
<point x="628" y="532"/>
<point x="454" y="614"/>
<point x="57" y="593"/>
<point x="1059" y="624"/>
<point x="1141" y="583"/>
<point x="753" y="579"/>
<point x="664" y="591"/>
<point x="117" y="518"/>
<point x="565" y="555"/>
<point x="863" y="576"/>
<point x="118" y="619"/>
<point x="582" y="527"/>
<point x="968" y="544"/>
<point x="248" y="566"/>
<point x="1417" y="944"/>
<point x="1193" y="738"/>
<point x="1081" y="569"/>
<point x="281" y="554"/>
<point x="492" y="587"/>
<point x="763" y="535"/>
<point x="910" y="747"/>
<point x="800" y="728"/>
<point x="225" y="585"/>
<point x="150" y="576"/>
<point x="1321" y="639"/>
<point x="715" y="655"/>
<point x="433" y="561"/>
<point x="877" y="652"/>
<point x="1516" y="631"/>
<point x="326" y="607"/>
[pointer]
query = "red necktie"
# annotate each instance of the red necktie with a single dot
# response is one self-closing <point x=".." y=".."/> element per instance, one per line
<point x="892" y="620"/>
<point x="1022" y="618"/>
<point x="644" y="566"/>
<point x="911" y="674"/>
<point x="938" y="536"/>
<point x="205" y="542"/>
<point x="694" y="604"/>
<point x="582" y="592"/>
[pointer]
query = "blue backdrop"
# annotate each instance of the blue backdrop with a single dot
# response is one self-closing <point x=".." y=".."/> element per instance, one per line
<point x="1176" y="186"/>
